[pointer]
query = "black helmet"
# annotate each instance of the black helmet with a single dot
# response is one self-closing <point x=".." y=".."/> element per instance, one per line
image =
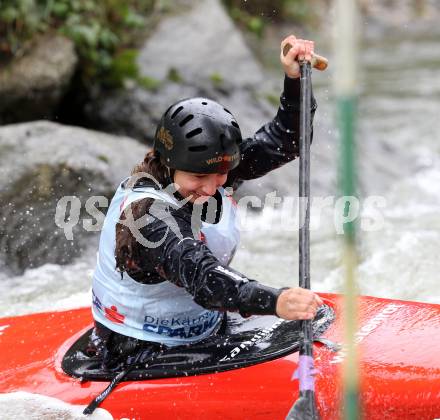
<point x="198" y="135"/>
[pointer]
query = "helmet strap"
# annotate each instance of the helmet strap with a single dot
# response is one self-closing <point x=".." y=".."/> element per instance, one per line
<point x="170" y="176"/>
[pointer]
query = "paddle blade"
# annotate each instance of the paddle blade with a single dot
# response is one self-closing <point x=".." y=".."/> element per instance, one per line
<point x="304" y="407"/>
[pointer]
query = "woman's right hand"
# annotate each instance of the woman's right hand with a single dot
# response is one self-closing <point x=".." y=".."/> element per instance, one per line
<point x="297" y="303"/>
<point x="300" y="49"/>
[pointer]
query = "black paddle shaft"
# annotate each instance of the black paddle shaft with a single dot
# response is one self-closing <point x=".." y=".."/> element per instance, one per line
<point x="304" y="194"/>
<point x="304" y="175"/>
<point x="305" y="130"/>
<point x="305" y="408"/>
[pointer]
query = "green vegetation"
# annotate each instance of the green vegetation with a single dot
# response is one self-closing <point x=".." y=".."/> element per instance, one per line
<point x="148" y="83"/>
<point x="255" y="15"/>
<point x="216" y="79"/>
<point x="174" y="75"/>
<point x="103" y="158"/>
<point x="104" y="32"/>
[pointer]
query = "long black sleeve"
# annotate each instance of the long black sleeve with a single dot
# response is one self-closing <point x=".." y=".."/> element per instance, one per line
<point x="188" y="262"/>
<point x="277" y="142"/>
<point x="183" y="259"/>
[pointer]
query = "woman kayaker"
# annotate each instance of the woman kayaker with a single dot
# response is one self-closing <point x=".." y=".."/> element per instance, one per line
<point x="163" y="276"/>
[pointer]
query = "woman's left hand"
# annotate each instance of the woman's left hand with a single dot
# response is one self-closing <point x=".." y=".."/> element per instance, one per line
<point x="300" y="50"/>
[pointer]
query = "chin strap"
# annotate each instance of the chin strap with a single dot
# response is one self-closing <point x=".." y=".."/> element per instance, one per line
<point x="170" y="176"/>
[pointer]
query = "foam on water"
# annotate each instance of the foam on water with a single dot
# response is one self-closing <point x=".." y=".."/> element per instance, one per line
<point x="50" y="287"/>
<point x="24" y="405"/>
<point x="400" y="260"/>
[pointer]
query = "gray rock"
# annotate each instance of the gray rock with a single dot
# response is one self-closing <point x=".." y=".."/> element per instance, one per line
<point x="135" y="112"/>
<point x="32" y="85"/>
<point x="42" y="162"/>
<point x="200" y="44"/>
<point x="209" y="56"/>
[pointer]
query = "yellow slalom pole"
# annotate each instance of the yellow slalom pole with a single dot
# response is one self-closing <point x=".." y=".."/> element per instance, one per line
<point x="346" y="47"/>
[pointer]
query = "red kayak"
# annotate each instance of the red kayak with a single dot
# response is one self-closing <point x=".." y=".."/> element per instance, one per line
<point x="245" y="374"/>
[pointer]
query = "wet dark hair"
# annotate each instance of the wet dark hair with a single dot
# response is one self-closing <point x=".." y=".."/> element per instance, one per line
<point x="127" y="249"/>
<point x="152" y="165"/>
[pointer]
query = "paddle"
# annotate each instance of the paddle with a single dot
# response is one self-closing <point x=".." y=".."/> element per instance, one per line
<point x="305" y="407"/>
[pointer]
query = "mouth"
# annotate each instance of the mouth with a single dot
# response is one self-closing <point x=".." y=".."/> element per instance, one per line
<point x="199" y="197"/>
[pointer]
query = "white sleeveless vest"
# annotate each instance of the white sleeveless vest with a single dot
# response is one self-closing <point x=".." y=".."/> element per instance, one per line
<point x="163" y="312"/>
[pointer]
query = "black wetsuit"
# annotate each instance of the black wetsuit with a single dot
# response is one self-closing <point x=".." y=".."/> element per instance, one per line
<point x="190" y="264"/>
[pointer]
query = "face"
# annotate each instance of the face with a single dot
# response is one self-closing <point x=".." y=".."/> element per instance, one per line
<point x="198" y="187"/>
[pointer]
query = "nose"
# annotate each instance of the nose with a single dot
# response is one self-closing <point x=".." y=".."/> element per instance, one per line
<point x="210" y="186"/>
<point x="212" y="182"/>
